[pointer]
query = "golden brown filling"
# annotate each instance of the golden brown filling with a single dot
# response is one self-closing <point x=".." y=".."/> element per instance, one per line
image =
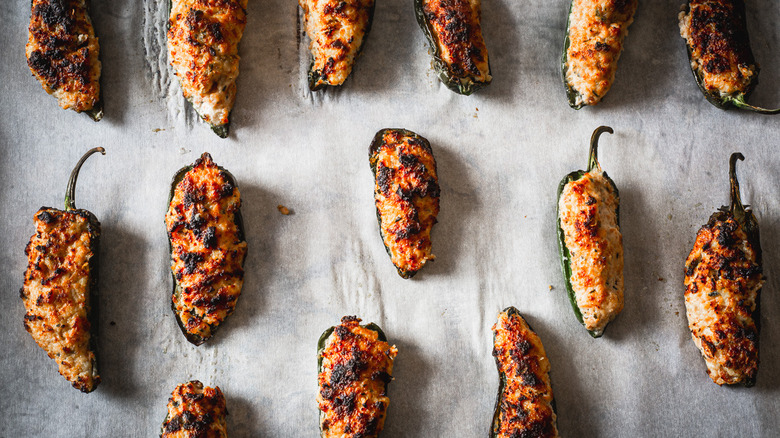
<point x="356" y="368"/>
<point x="525" y="404"/>
<point x="596" y="32"/>
<point x="56" y="293"/>
<point x="195" y="412"/>
<point x="457" y="30"/>
<point x="722" y="283"/>
<point x="406" y="193"/>
<point x="203" y="38"/>
<point x="62" y="52"/>
<point x="207" y="246"/>
<point x="588" y="214"/>
<point x="717" y="39"/>
<point x="337" y="30"/>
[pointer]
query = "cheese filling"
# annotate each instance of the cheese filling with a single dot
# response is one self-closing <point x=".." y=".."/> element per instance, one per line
<point x="62" y="52"/>
<point x="56" y="293"/>
<point x="356" y="369"/>
<point x="596" y="32"/>
<point x="525" y="404"/>
<point x="716" y="36"/>
<point x="203" y="39"/>
<point x="722" y="284"/>
<point x="588" y="217"/>
<point x="337" y="29"/>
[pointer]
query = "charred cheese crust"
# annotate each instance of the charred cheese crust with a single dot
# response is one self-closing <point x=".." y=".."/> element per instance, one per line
<point x="207" y="248"/>
<point x="195" y="412"/>
<point x="716" y="34"/>
<point x="337" y="30"/>
<point x="203" y="37"/>
<point x="355" y="369"/>
<point x="588" y="215"/>
<point x="456" y="28"/>
<point x="406" y="193"/>
<point x="56" y="292"/>
<point x="723" y="279"/>
<point x="62" y="53"/>
<point x="525" y="404"/>
<point x="595" y="40"/>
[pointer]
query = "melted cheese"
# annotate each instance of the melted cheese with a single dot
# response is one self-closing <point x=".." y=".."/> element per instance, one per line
<point x="722" y="284"/>
<point x="356" y="368"/>
<point x="195" y="411"/>
<point x="207" y="246"/>
<point x="456" y="28"/>
<point x="525" y="404"/>
<point x="62" y="52"/>
<point x="406" y="193"/>
<point x="56" y="293"/>
<point x="203" y="37"/>
<point x="596" y="32"/>
<point x="587" y="210"/>
<point x="337" y="30"/>
<point x="717" y="40"/>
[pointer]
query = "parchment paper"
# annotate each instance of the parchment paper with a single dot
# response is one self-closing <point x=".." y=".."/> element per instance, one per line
<point x="500" y="154"/>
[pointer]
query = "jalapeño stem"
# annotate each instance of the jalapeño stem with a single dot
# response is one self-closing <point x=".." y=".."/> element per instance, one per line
<point x="70" y="192"/>
<point x="593" y="155"/>
<point x="741" y="104"/>
<point x="736" y="208"/>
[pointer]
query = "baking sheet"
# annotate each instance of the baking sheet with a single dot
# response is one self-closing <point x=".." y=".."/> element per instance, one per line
<point x="500" y="154"/>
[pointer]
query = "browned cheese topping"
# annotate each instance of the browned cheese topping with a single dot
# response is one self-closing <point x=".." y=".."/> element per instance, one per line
<point x="407" y="198"/>
<point x="457" y="30"/>
<point x="356" y="368"/>
<point x="722" y="283"/>
<point x="717" y="39"/>
<point x="203" y="38"/>
<point x="195" y="412"/>
<point x="207" y="247"/>
<point x="62" y="52"/>
<point x="596" y="32"/>
<point x="525" y="407"/>
<point x="588" y="214"/>
<point x="56" y="293"/>
<point x="337" y="29"/>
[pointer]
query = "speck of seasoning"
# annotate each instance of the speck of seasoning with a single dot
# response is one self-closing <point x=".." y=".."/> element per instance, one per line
<point x="551" y="288"/>
<point x="660" y="279"/>
<point x="283" y="210"/>
<point x="112" y="323"/>
<point x="157" y="130"/>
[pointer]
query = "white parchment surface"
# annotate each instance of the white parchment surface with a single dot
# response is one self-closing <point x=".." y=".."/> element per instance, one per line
<point x="500" y="154"/>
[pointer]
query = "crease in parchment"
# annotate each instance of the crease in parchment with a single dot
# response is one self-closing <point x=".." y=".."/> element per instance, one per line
<point x="155" y="39"/>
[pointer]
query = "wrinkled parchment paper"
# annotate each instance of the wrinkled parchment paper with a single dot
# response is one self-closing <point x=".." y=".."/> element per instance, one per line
<point x="500" y="154"/>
